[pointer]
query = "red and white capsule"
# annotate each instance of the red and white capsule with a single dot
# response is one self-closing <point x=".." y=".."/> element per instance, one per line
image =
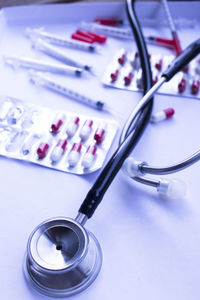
<point x="99" y="135"/>
<point x="72" y="126"/>
<point x="42" y="149"/>
<point x="128" y="78"/>
<point x="57" y="124"/>
<point x="114" y="75"/>
<point x="86" y="130"/>
<point x="195" y="87"/>
<point x="89" y="156"/>
<point x="58" y="150"/>
<point x="163" y="115"/>
<point x="135" y="61"/>
<point x="122" y="59"/>
<point x="74" y="154"/>
<point x="158" y="64"/>
<point x="182" y="84"/>
<point x="139" y="79"/>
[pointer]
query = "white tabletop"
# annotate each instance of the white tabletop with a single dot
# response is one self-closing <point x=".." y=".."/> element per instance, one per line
<point x="151" y="247"/>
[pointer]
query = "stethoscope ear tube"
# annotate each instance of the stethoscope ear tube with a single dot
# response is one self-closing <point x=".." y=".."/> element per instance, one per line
<point x="182" y="60"/>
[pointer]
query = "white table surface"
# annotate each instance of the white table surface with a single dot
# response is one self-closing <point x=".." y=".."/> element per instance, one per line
<point x="151" y="246"/>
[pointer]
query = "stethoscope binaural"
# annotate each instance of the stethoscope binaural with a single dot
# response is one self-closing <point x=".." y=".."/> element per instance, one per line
<point x="62" y="257"/>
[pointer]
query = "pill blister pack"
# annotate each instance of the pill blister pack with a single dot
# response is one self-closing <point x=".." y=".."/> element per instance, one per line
<point x="60" y="140"/>
<point x="125" y="72"/>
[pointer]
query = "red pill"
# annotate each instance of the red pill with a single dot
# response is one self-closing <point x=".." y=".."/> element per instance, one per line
<point x="122" y="59"/>
<point x="42" y="150"/>
<point x="72" y="126"/>
<point x="158" y="65"/>
<point x="57" y="123"/>
<point x="114" y="75"/>
<point x="59" y="150"/>
<point x="163" y="115"/>
<point x="86" y="130"/>
<point x="128" y="78"/>
<point x="99" y="135"/>
<point x="74" y="154"/>
<point x="195" y="87"/>
<point x="182" y="85"/>
<point x="89" y="156"/>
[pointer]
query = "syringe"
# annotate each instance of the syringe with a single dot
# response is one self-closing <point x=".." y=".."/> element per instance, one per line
<point x="41" y="65"/>
<point x="50" y="50"/>
<point x="60" y="41"/>
<point x="125" y="33"/>
<point x="43" y="80"/>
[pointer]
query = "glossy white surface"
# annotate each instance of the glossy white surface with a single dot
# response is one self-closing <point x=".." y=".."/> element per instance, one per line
<point x="151" y="246"/>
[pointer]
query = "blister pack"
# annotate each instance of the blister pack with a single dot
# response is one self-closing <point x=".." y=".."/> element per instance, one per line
<point x="59" y="140"/>
<point x="125" y="72"/>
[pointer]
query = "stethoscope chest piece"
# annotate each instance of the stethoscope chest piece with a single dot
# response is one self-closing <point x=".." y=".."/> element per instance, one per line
<point x="62" y="258"/>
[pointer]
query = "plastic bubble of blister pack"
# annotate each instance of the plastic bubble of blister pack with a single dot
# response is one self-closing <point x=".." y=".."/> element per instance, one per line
<point x="65" y="141"/>
<point x="124" y="72"/>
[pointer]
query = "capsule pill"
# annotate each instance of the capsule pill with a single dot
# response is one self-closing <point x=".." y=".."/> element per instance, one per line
<point x="122" y="59"/>
<point x="59" y="150"/>
<point x="195" y="87"/>
<point x="57" y="124"/>
<point x="182" y="86"/>
<point x="72" y="126"/>
<point x="42" y="150"/>
<point x="89" y="156"/>
<point x="86" y="130"/>
<point x="74" y="154"/>
<point x="128" y="78"/>
<point x="99" y="135"/>
<point x="163" y="115"/>
<point x="114" y="75"/>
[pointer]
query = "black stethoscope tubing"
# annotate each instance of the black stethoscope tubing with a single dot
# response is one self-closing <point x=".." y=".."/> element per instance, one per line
<point x="109" y="172"/>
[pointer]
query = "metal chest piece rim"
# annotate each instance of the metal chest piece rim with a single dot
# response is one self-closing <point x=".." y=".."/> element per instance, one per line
<point x="62" y="258"/>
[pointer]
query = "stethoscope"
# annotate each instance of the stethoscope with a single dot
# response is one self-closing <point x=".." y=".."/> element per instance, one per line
<point x="62" y="257"/>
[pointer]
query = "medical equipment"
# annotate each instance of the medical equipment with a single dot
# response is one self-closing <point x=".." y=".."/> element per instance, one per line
<point x="44" y="80"/>
<point x="125" y="72"/>
<point x="122" y="33"/>
<point x="31" y="63"/>
<point x="93" y="37"/>
<point x="148" y="22"/>
<point x="60" y="140"/>
<point x="82" y="38"/>
<point x="62" y="258"/>
<point x="175" y="38"/>
<point x="60" y="41"/>
<point x="50" y="50"/>
<point x="174" y="43"/>
<point x="162" y="115"/>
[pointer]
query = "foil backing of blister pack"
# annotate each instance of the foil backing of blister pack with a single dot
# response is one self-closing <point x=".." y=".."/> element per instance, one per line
<point x="25" y="128"/>
<point x="124" y="72"/>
